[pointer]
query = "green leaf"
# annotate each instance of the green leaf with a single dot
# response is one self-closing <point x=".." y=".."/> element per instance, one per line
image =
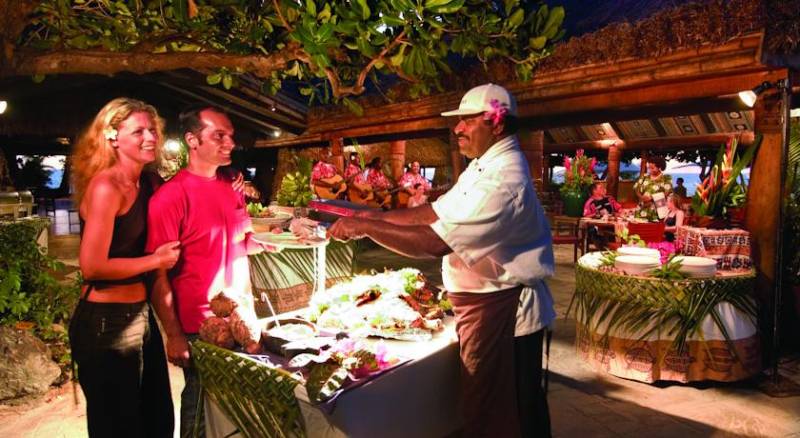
<point x="227" y="81"/>
<point x="353" y="106"/>
<point x="365" y="47"/>
<point x="392" y="20"/>
<point x="213" y="79"/>
<point x="325" y="14"/>
<point x="449" y="8"/>
<point x="554" y="20"/>
<point x="508" y="5"/>
<point x="181" y="10"/>
<point x="311" y="7"/>
<point x="365" y="12"/>
<point x="38" y="78"/>
<point x="398" y="58"/>
<point x="516" y="19"/>
<point x="430" y="4"/>
<point x="538" y="42"/>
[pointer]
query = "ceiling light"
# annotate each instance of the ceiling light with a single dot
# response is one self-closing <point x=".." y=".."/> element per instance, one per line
<point x="3" y="106"/>
<point x="276" y="133"/>
<point x="749" y="97"/>
<point x="172" y="146"/>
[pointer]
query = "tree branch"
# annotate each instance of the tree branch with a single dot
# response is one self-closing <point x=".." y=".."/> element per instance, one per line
<point x="280" y="15"/>
<point x="13" y="19"/>
<point x="362" y="77"/>
<point x="106" y="63"/>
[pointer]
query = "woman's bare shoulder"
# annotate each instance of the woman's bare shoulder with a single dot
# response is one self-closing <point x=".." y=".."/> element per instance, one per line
<point x="103" y="188"/>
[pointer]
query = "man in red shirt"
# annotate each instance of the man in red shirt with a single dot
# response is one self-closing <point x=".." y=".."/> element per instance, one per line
<point x="199" y="208"/>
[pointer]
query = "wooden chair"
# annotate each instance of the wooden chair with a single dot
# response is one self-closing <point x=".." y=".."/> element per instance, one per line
<point x="565" y="231"/>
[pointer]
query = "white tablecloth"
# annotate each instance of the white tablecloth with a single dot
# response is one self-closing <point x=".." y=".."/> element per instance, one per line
<point x="418" y="398"/>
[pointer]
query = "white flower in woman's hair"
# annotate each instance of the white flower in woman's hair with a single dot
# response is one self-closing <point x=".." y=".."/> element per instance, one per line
<point x="110" y="133"/>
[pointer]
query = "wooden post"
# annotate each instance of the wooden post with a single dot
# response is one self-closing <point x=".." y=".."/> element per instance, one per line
<point x="456" y="159"/>
<point x="612" y="176"/>
<point x="643" y="165"/>
<point x="763" y="207"/>
<point x="337" y="153"/>
<point x="532" y="145"/>
<point x="397" y="158"/>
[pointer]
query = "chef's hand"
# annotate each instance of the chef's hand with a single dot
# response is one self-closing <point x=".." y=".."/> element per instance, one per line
<point x="367" y="214"/>
<point x="346" y="228"/>
<point x="178" y="350"/>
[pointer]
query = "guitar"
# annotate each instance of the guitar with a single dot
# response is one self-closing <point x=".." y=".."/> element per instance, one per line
<point x="434" y="192"/>
<point x="330" y="188"/>
<point x="364" y="194"/>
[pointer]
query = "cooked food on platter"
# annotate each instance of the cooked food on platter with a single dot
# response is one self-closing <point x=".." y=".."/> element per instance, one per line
<point x="255" y="209"/>
<point x="393" y="304"/>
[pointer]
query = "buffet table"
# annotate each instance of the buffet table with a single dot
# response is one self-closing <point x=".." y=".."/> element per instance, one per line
<point x="644" y="328"/>
<point x="418" y="398"/>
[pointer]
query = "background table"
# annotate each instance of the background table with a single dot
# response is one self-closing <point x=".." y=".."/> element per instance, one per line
<point x="418" y="398"/>
<point x="625" y="325"/>
<point x="730" y="248"/>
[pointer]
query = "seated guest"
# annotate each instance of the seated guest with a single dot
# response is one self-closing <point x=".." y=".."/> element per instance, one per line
<point x="599" y="203"/>
<point x="679" y="189"/>
<point x="674" y="218"/>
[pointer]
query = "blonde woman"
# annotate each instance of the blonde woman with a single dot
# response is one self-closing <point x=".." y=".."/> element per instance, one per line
<point x="121" y="365"/>
<point x="674" y="218"/>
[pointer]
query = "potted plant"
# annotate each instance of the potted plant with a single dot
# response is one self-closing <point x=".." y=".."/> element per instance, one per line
<point x="578" y="176"/>
<point x="719" y="200"/>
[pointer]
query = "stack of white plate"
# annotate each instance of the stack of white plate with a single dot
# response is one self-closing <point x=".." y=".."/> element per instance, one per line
<point x="697" y="267"/>
<point x="636" y="264"/>
<point x="639" y="251"/>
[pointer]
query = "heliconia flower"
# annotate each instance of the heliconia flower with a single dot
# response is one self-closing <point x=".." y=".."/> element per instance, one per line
<point x="579" y="153"/>
<point x="592" y="164"/>
<point x="567" y="164"/>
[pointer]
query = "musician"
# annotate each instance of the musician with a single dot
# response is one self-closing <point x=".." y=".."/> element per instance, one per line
<point x="373" y="185"/>
<point x="326" y="181"/>
<point x="353" y="167"/>
<point x="411" y="178"/>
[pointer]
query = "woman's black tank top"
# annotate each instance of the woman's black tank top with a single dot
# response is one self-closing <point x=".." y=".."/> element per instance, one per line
<point x="130" y="231"/>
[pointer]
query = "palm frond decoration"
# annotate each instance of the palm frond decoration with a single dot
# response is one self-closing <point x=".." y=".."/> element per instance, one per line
<point x="648" y="306"/>
<point x="292" y="267"/>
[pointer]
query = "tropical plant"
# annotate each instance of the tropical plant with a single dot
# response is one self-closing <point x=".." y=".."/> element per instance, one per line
<point x="28" y="290"/>
<point x="724" y="187"/>
<point x="332" y="47"/>
<point x="578" y="172"/>
<point x="792" y="218"/>
<point x="669" y="270"/>
<point x="33" y="174"/>
<point x="295" y="190"/>
<point x="630" y="239"/>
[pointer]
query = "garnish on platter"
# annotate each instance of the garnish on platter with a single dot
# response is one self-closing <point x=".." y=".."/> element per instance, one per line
<point x="393" y="304"/>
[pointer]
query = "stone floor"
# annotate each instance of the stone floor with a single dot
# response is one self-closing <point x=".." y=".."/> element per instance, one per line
<point x="583" y="403"/>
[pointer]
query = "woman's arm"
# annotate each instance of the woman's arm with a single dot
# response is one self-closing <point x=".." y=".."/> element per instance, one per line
<point x="100" y="207"/>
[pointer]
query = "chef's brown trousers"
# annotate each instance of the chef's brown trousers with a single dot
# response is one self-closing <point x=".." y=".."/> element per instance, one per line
<point x="485" y="326"/>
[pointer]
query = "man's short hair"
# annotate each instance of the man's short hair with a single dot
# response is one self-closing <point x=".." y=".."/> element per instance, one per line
<point x="680" y="180"/>
<point x="189" y="119"/>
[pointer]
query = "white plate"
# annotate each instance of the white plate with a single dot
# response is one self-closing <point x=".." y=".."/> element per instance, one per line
<point x="639" y="251"/>
<point x="703" y="262"/>
<point x="287" y="240"/>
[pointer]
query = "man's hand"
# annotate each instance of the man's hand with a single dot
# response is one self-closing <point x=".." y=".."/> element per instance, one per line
<point x="347" y="228"/>
<point x="178" y="350"/>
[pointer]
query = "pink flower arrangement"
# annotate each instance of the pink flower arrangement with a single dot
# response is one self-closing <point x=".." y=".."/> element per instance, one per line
<point x="578" y="172"/>
<point x="359" y="359"/>
<point x="665" y="249"/>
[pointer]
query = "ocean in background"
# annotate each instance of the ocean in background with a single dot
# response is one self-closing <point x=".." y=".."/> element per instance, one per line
<point x="690" y="173"/>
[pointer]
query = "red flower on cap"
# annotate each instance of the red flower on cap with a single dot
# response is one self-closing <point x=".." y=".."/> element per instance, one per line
<point x="497" y="114"/>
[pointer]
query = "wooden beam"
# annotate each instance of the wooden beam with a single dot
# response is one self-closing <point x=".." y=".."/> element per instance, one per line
<point x="660" y="143"/>
<point x="612" y="176"/>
